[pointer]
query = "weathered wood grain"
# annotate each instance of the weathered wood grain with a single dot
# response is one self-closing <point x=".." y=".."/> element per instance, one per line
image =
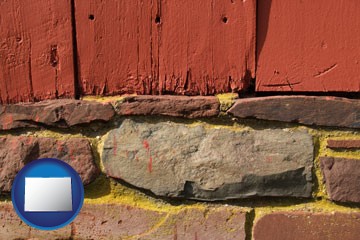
<point x="206" y="47"/>
<point x="165" y="47"/>
<point x="36" y="54"/>
<point x="114" y="40"/>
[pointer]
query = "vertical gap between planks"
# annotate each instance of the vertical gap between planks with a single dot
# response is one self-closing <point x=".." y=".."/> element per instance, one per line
<point x="77" y="89"/>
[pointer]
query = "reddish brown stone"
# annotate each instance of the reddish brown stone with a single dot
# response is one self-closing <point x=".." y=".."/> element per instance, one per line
<point x="11" y="227"/>
<point x="177" y="106"/>
<point x="324" y="111"/>
<point x="308" y="226"/>
<point x="119" y="221"/>
<point x="343" y="144"/>
<point x="15" y="152"/>
<point x="226" y="223"/>
<point x="342" y="178"/>
<point x="111" y="221"/>
<point x="59" y="113"/>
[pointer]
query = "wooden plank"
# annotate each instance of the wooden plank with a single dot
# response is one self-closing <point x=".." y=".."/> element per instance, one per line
<point x="36" y="54"/>
<point x="114" y="45"/>
<point x="306" y="45"/>
<point x="206" y="47"/>
<point x="165" y="47"/>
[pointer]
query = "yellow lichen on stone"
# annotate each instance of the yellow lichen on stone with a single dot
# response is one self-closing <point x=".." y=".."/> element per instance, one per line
<point x="320" y="150"/>
<point x="105" y="99"/>
<point x="104" y="190"/>
<point x="226" y="100"/>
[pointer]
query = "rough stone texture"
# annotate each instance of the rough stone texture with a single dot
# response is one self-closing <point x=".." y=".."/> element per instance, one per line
<point x="307" y="226"/>
<point x="176" y="106"/>
<point x="111" y="221"/>
<point x="15" y="152"/>
<point x="118" y="221"/>
<point x="179" y="160"/>
<point x="11" y="227"/>
<point x="225" y="223"/>
<point x="325" y="111"/>
<point x="343" y="144"/>
<point x="59" y="113"/>
<point x="342" y="178"/>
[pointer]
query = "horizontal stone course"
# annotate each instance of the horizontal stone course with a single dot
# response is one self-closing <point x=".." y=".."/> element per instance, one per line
<point x="342" y="178"/>
<point x="56" y="113"/>
<point x="308" y="110"/>
<point x="118" y="221"/>
<point x="17" y="151"/>
<point x="343" y="144"/>
<point x="176" y="106"/>
<point x="11" y="227"/>
<point x="178" y="160"/>
<point x="307" y="226"/>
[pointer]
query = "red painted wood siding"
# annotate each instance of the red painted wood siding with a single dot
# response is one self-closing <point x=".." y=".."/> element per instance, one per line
<point x="307" y="45"/>
<point x="157" y="47"/>
<point x="36" y="54"/>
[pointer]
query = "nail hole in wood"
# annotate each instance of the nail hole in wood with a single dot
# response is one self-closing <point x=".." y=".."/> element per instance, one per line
<point x="91" y="17"/>
<point x="157" y="20"/>
<point x="225" y="19"/>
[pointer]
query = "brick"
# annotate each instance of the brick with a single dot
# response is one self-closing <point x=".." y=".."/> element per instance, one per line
<point x="225" y="223"/>
<point x="178" y="160"/>
<point x="324" y="111"/>
<point x="111" y="221"/>
<point x="17" y="151"/>
<point x="176" y="106"/>
<point x="312" y="226"/>
<point x="343" y="144"/>
<point x="342" y="177"/>
<point x="119" y="221"/>
<point x="12" y="227"/>
<point x="57" y="113"/>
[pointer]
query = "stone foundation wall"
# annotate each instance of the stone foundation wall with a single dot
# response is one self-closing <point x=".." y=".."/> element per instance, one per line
<point x="176" y="167"/>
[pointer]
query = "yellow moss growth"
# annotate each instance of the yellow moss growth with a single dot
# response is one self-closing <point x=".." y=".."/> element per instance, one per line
<point x="104" y="190"/>
<point x="226" y="100"/>
<point x="320" y="141"/>
<point x="105" y="99"/>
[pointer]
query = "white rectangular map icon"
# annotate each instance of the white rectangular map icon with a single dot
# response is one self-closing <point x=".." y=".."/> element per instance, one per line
<point x="48" y="194"/>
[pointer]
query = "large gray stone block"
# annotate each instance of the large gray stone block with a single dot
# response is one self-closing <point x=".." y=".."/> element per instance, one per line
<point x="197" y="162"/>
